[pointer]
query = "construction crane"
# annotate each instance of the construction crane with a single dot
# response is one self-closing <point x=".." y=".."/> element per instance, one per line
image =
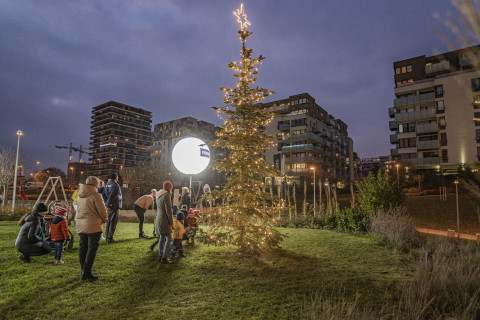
<point x="71" y="149"/>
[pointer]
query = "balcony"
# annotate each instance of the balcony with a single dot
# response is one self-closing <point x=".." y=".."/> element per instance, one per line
<point x="426" y="145"/>
<point x="283" y="126"/>
<point x="393" y="138"/>
<point x="424" y="161"/>
<point x="470" y="60"/>
<point x="305" y="136"/>
<point x="300" y="159"/>
<point x="427" y="128"/>
<point x="415" y="115"/>
<point x="404" y="101"/>
<point x="394" y="152"/>
<point x="298" y="148"/>
<point x="438" y="67"/>
<point x="393" y="125"/>
<point x="391" y="112"/>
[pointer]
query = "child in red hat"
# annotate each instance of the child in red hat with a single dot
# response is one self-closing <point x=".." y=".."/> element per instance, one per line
<point x="193" y="216"/>
<point x="59" y="232"/>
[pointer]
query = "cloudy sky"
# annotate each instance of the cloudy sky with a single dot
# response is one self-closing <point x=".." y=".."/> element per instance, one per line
<point x="61" y="58"/>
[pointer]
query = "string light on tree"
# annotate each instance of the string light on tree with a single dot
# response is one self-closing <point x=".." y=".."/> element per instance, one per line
<point x="246" y="217"/>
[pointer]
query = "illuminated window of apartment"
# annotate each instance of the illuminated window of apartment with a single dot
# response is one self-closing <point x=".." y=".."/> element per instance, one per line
<point x="440" y="106"/>
<point x="441" y="123"/>
<point x="397" y="71"/>
<point x="404" y="69"/>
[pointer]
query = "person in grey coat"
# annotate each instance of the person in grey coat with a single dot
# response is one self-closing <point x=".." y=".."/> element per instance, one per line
<point x="164" y="221"/>
<point x="31" y="238"/>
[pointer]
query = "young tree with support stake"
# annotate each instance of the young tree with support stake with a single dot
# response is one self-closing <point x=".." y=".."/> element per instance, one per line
<point x="246" y="218"/>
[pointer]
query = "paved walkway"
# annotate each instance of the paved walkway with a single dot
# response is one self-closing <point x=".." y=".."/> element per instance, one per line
<point x="446" y="234"/>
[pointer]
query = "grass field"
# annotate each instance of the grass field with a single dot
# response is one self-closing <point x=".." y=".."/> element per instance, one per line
<point x="211" y="283"/>
<point x="429" y="212"/>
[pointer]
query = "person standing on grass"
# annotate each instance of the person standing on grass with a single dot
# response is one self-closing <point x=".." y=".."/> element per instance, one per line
<point x="140" y="207"/>
<point x="185" y="199"/>
<point x="113" y="201"/>
<point x="164" y="221"/>
<point x="90" y="217"/>
<point x="74" y="204"/>
<point x="31" y="238"/>
<point x="178" y="232"/>
<point x="59" y="232"/>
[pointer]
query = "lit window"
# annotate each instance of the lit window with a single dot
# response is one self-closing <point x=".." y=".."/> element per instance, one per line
<point x="404" y="69"/>
<point x="397" y="70"/>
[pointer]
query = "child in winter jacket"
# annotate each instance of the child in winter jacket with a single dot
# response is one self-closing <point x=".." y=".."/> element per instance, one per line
<point x="178" y="232"/>
<point x="59" y="232"/>
<point x="193" y="216"/>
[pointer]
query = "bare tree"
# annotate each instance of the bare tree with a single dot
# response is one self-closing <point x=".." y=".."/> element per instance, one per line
<point x="7" y="170"/>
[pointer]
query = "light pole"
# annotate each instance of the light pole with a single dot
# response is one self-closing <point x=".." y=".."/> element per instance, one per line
<point x="313" y="168"/>
<point x="397" y="165"/>
<point x="19" y="134"/>
<point x="458" y="217"/>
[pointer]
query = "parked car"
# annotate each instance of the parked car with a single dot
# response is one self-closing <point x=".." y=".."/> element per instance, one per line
<point x="33" y="185"/>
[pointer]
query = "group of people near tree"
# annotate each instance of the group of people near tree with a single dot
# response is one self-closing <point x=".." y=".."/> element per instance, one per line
<point x="97" y="206"/>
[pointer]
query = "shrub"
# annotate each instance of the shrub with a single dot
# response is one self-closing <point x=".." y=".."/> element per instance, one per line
<point x="395" y="228"/>
<point x="379" y="192"/>
<point x="351" y="220"/>
<point x="331" y="222"/>
<point x="6" y="213"/>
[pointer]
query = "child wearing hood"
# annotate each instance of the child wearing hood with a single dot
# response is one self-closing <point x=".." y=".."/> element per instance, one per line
<point x="59" y="232"/>
<point x="178" y="232"/>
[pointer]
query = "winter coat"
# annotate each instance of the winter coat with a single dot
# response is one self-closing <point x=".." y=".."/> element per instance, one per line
<point x="75" y="196"/>
<point x="185" y="200"/>
<point x="59" y="229"/>
<point x="164" y="215"/>
<point x="178" y="229"/>
<point x="32" y="232"/>
<point x="91" y="212"/>
<point x="192" y="221"/>
<point x="112" y="194"/>
<point x="144" y="201"/>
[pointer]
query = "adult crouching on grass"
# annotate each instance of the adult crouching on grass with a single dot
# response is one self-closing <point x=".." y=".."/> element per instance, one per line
<point x="164" y="221"/>
<point x="90" y="217"/>
<point x="31" y="238"/>
<point x="140" y="207"/>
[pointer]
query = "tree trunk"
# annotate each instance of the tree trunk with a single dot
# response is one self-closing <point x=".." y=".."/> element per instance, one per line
<point x="320" y="197"/>
<point x="305" y="197"/>
<point x="295" y="198"/>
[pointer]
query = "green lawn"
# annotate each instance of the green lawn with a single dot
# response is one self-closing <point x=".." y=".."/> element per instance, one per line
<point x="211" y="283"/>
<point x="429" y="212"/>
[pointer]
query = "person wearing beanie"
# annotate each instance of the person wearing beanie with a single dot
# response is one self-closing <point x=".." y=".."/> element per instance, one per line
<point x="140" y="207"/>
<point x="178" y="232"/>
<point x="113" y="201"/>
<point x="192" y="220"/>
<point x="90" y="217"/>
<point x="185" y="215"/>
<point x="164" y="221"/>
<point x="59" y="232"/>
<point x="174" y="213"/>
<point x="31" y="238"/>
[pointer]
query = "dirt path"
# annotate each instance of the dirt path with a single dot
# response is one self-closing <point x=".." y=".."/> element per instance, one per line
<point x="446" y="234"/>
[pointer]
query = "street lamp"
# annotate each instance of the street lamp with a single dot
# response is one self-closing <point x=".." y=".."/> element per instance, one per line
<point x="458" y="217"/>
<point x="19" y="134"/>
<point x="313" y="168"/>
<point x="397" y="165"/>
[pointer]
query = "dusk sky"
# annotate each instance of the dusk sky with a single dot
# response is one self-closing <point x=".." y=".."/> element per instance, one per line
<point x="61" y="58"/>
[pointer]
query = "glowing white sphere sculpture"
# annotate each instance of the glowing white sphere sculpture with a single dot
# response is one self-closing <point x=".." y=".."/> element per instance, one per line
<point x="191" y="156"/>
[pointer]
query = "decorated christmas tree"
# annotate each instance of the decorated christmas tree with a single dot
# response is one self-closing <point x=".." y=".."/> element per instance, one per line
<point x="247" y="214"/>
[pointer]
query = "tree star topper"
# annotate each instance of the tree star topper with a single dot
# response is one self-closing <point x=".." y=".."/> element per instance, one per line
<point x="242" y="18"/>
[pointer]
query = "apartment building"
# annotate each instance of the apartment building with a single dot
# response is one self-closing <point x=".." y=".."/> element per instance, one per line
<point x="120" y="135"/>
<point x="382" y="163"/>
<point x="436" y="110"/>
<point x="308" y="137"/>
<point x="167" y="134"/>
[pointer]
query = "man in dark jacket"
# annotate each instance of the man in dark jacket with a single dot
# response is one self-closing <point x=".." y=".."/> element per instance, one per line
<point x="164" y="221"/>
<point x="113" y="195"/>
<point x="31" y="238"/>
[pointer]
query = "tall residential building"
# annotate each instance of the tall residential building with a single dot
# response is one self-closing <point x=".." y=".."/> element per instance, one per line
<point x="120" y="135"/>
<point x="308" y="137"/>
<point x="167" y="134"/>
<point x="437" y="110"/>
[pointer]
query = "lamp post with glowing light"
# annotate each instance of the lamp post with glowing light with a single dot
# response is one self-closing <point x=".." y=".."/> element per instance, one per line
<point x="19" y="134"/>
<point x="313" y="168"/>
<point x="458" y="217"/>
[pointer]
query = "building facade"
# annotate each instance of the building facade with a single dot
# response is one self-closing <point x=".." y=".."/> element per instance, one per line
<point x="167" y="134"/>
<point x="120" y="136"/>
<point x="436" y="110"/>
<point x="309" y="137"/>
<point x="381" y="163"/>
